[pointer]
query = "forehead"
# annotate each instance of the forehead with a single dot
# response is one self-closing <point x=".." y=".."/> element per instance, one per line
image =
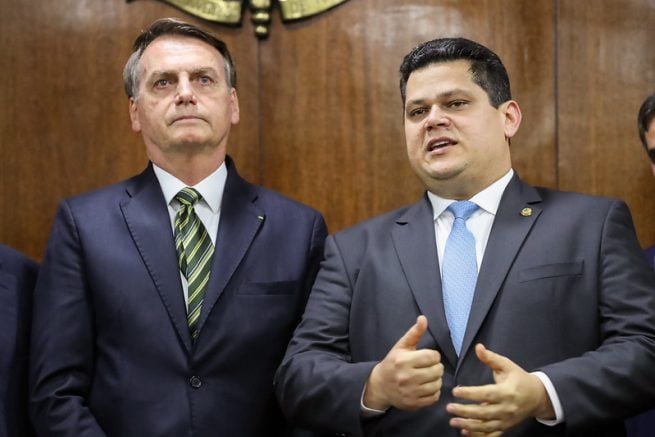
<point x="650" y="134"/>
<point x="441" y="77"/>
<point x="651" y="124"/>
<point x="174" y="53"/>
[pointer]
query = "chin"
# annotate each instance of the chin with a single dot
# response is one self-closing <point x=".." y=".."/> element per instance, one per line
<point x="186" y="144"/>
<point x="442" y="173"/>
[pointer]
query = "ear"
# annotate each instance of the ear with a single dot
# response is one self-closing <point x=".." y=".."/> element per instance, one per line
<point x="234" y="106"/>
<point x="511" y="114"/>
<point x="134" y="115"/>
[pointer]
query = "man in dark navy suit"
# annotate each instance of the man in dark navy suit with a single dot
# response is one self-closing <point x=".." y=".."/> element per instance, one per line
<point x="166" y="301"/>
<point x="17" y="278"/>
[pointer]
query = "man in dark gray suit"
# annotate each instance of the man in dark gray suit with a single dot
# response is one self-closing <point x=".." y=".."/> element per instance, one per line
<point x="17" y="278"/>
<point x="546" y="328"/>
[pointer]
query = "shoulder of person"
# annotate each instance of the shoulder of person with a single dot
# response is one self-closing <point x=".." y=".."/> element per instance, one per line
<point x="576" y="199"/>
<point x="16" y="262"/>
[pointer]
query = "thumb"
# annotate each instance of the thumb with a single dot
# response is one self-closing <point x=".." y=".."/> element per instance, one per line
<point x="413" y="334"/>
<point x="494" y="361"/>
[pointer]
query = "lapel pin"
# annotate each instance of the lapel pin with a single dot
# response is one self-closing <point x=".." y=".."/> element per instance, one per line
<point x="260" y="218"/>
<point x="526" y="212"/>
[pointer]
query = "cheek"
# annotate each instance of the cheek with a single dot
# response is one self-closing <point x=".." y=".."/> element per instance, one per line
<point x="413" y="137"/>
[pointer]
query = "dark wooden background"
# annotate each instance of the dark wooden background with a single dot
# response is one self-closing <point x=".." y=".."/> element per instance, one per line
<point x="321" y="118"/>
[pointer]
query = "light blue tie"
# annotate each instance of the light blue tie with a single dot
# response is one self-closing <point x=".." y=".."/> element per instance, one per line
<point x="460" y="272"/>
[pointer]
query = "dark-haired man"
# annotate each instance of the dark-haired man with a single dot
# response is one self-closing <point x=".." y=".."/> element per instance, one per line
<point x="646" y="126"/>
<point x="166" y="301"/>
<point x="644" y="424"/>
<point x="490" y="306"/>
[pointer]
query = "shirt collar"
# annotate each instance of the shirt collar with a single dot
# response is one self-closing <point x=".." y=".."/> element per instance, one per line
<point x="210" y="188"/>
<point x="487" y="199"/>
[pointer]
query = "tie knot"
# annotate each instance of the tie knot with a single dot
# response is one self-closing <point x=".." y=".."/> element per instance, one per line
<point x="188" y="196"/>
<point x="462" y="209"/>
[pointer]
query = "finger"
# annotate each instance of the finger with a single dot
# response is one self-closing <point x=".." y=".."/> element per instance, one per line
<point x="419" y="382"/>
<point x="425" y="401"/>
<point x="481" y="434"/>
<point x="476" y="427"/>
<point x="425" y="358"/>
<point x="429" y="388"/>
<point x="475" y="411"/>
<point x="481" y="393"/>
<point x="494" y="361"/>
<point x="424" y="395"/>
<point x="413" y="335"/>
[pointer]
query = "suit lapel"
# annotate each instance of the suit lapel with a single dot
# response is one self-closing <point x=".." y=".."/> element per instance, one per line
<point x="147" y="218"/>
<point x="240" y="221"/>
<point x="508" y="233"/>
<point x="415" y="244"/>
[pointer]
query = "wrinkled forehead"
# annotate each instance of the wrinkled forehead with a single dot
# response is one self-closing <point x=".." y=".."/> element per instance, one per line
<point x="174" y="52"/>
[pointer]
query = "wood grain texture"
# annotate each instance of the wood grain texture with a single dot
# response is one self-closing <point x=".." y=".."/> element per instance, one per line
<point x="65" y="126"/>
<point x="332" y="122"/>
<point x="606" y="69"/>
<point x="321" y="117"/>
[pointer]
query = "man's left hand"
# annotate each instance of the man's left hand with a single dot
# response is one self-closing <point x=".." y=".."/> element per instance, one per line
<point x="515" y="396"/>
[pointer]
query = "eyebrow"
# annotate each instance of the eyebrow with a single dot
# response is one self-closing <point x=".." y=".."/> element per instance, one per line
<point x="441" y="96"/>
<point x="194" y="72"/>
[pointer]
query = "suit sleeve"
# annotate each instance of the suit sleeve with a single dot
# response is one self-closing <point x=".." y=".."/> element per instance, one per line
<point x="315" y="255"/>
<point x="62" y="356"/>
<point x="616" y="379"/>
<point x="318" y="385"/>
<point x="15" y="308"/>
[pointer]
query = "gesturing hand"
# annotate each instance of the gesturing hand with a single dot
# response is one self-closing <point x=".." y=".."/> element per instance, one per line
<point x="406" y="378"/>
<point x="515" y="396"/>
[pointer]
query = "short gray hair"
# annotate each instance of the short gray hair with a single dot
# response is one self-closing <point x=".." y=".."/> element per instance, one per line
<point x="170" y="26"/>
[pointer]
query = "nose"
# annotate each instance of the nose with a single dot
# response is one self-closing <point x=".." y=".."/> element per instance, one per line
<point x="185" y="94"/>
<point x="436" y="118"/>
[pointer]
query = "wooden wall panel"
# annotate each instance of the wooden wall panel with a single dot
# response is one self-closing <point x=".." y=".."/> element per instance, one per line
<point x="321" y="118"/>
<point x="64" y="125"/>
<point x="331" y="111"/>
<point x="606" y="69"/>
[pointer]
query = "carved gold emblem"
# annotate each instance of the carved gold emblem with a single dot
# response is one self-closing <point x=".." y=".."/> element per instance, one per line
<point x="230" y="11"/>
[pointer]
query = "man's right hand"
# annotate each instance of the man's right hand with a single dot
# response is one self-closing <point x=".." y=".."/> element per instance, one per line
<point x="407" y="379"/>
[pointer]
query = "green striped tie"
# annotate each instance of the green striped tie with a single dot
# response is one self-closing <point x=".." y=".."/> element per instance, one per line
<point x="194" y="252"/>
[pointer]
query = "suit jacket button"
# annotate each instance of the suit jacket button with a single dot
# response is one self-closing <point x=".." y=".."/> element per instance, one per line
<point x="195" y="382"/>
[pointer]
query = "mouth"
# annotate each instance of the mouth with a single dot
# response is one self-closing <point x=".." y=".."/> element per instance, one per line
<point x="440" y="143"/>
<point x="186" y="117"/>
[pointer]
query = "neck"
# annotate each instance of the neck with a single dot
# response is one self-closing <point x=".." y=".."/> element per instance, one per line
<point x="189" y="168"/>
<point x="458" y="189"/>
